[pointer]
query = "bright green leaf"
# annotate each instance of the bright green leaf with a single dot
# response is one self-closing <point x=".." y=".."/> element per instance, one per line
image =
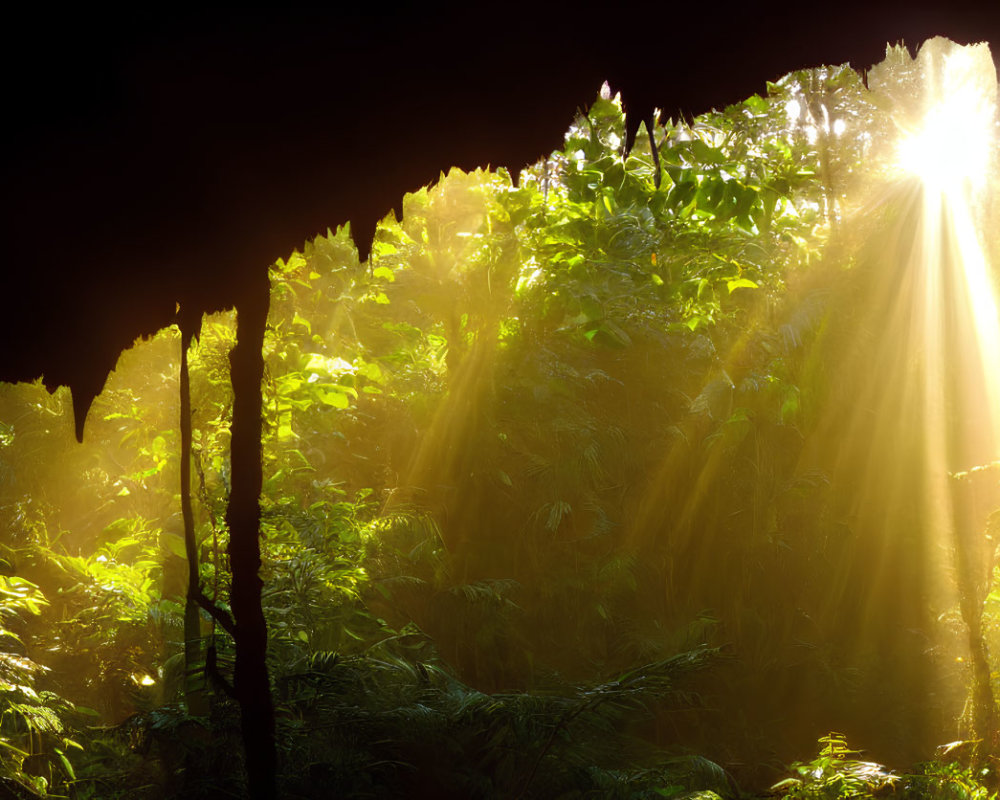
<point x="740" y="283"/>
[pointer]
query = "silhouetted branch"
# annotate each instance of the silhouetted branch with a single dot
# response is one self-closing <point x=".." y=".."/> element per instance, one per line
<point x="220" y="615"/>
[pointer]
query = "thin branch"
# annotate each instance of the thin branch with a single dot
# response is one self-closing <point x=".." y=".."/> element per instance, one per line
<point x="220" y="615"/>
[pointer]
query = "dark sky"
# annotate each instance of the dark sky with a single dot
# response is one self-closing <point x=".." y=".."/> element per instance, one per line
<point x="157" y="154"/>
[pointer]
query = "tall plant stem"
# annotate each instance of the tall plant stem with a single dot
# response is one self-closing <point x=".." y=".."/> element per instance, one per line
<point x="243" y="516"/>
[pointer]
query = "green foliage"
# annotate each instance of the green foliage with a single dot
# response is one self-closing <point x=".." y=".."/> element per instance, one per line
<point x="554" y="430"/>
<point x="34" y="736"/>
<point x="835" y="773"/>
<point x="949" y="780"/>
<point x="400" y="722"/>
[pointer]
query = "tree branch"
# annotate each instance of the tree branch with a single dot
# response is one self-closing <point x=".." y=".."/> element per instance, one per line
<point x="220" y="615"/>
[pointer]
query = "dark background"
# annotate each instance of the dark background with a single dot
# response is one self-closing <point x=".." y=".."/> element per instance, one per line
<point x="156" y="155"/>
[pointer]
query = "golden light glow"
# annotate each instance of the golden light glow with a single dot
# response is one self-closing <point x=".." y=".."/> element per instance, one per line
<point x="914" y="395"/>
<point x="953" y="142"/>
<point x="934" y="304"/>
<point x="952" y="153"/>
<point x="953" y="135"/>
<point x="142" y="679"/>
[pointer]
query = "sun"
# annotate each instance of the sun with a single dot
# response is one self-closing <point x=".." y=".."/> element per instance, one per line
<point x="952" y="143"/>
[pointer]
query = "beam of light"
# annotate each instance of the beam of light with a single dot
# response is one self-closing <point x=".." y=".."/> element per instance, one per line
<point x="906" y="393"/>
<point x="951" y="152"/>
<point x="935" y="299"/>
<point x="934" y="405"/>
<point x="907" y="389"/>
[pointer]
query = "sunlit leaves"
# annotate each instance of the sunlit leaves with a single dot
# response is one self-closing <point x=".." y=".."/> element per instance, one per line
<point x="836" y="772"/>
<point x="19" y="594"/>
<point x="124" y="569"/>
<point x="740" y="283"/>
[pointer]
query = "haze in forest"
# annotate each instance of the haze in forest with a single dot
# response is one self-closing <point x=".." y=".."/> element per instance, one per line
<point x="641" y="474"/>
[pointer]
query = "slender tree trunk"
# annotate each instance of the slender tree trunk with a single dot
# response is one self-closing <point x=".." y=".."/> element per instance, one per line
<point x="194" y="662"/>
<point x="243" y="515"/>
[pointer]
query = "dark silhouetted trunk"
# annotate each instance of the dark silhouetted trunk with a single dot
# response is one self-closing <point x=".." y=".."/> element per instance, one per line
<point x="243" y="515"/>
